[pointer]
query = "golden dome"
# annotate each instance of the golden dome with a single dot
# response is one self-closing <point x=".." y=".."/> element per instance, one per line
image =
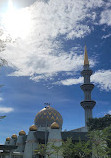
<point x="21" y="133"/>
<point x="47" y="116"/>
<point x="14" y="136"/>
<point x="33" y="128"/>
<point x="55" y="125"/>
<point x="8" y="139"/>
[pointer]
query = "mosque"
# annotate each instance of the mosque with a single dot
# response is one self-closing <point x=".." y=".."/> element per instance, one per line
<point x="47" y="126"/>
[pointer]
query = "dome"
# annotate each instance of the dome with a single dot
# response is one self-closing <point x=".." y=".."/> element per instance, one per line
<point x="8" y="139"/>
<point x="47" y="116"/>
<point x="21" y="133"/>
<point x="14" y="136"/>
<point x="33" y="128"/>
<point x="54" y="125"/>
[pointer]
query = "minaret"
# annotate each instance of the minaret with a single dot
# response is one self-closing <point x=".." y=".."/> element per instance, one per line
<point x="87" y="87"/>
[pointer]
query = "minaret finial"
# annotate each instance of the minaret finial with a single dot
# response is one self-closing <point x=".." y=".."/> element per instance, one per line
<point x="86" y="62"/>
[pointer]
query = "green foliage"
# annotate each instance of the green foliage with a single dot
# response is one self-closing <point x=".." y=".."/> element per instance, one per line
<point x="2" y="117"/>
<point x="79" y="149"/>
<point x="57" y="150"/>
<point x="82" y="149"/>
<point x="67" y="148"/>
<point x="107" y="133"/>
<point x="98" y="141"/>
<point x="99" y="123"/>
<point x="43" y="150"/>
<point x="100" y="135"/>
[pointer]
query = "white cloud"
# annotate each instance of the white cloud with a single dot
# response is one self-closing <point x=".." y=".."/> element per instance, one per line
<point x="40" y="66"/>
<point x="1" y="99"/>
<point x="71" y="81"/>
<point x="6" y="109"/>
<point x="109" y="112"/>
<point x="103" y="79"/>
<point x="106" y="36"/>
<point x="106" y="17"/>
<point x="40" y="54"/>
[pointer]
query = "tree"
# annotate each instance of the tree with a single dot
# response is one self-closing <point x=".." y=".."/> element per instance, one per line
<point x="99" y="123"/>
<point x="43" y="150"/>
<point x="107" y="133"/>
<point x="2" y="117"/>
<point x="98" y="141"/>
<point x="57" y="150"/>
<point x="100" y="129"/>
<point x="82" y="149"/>
<point x="67" y="149"/>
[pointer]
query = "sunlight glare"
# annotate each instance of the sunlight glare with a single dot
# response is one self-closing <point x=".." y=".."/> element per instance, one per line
<point x="16" y="22"/>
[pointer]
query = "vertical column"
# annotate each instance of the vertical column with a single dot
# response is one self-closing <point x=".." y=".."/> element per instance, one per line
<point x="87" y="87"/>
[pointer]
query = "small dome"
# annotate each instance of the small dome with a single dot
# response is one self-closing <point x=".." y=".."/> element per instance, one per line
<point x="14" y="136"/>
<point x="8" y="139"/>
<point x="21" y="133"/>
<point x="47" y="116"/>
<point x="54" y="125"/>
<point x="33" y="128"/>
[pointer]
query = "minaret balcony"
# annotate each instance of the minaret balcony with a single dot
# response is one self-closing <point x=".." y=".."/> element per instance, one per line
<point x="88" y="104"/>
<point x="86" y="72"/>
<point x="87" y="87"/>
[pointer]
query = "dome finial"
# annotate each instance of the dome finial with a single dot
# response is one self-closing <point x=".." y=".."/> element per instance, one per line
<point x="86" y="62"/>
<point x="47" y="104"/>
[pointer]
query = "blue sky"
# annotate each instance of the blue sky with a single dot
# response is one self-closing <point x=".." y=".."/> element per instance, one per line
<point x="45" y="57"/>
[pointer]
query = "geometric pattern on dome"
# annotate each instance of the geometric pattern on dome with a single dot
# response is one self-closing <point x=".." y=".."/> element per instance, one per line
<point x="47" y="116"/>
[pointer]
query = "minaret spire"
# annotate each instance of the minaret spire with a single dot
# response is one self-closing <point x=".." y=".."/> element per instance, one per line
<point x="87" y="87"/>
<point x="86" y="62"/>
